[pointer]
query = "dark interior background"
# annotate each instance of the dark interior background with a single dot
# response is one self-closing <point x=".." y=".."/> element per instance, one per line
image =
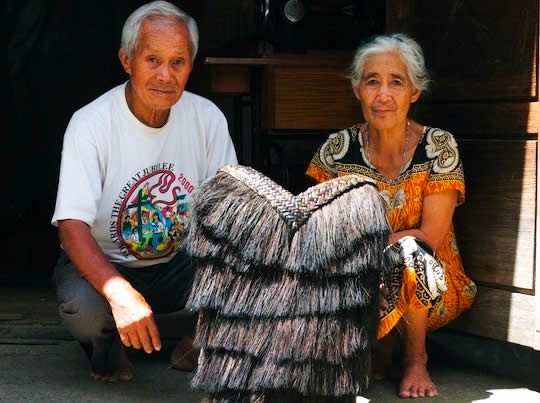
<point x="62" y="54"/>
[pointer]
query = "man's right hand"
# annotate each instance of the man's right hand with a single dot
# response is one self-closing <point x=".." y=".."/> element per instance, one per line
<point x="135" y="321"/>
<point x="132" y="314"/>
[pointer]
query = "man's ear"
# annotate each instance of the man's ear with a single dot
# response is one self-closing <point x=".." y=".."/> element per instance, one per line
<point x="124" y="60"/>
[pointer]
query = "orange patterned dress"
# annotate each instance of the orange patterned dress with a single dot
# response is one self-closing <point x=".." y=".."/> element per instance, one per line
<point x="434" y="167"/>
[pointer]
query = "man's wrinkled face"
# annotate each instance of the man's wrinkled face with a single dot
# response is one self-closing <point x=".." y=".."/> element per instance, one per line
<point x="159" y="67"/>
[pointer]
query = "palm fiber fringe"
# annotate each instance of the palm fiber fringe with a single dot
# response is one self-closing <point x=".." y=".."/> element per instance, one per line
<point x="248" y="294"/>
<point x="289" y="339"/>
<point x="287" y="287"/>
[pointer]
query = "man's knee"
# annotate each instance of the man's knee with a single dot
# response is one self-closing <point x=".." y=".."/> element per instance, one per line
<point x="86" y="313"/>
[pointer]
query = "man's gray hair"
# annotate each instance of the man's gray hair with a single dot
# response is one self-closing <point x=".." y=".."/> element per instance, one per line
<point x="164" y="9"/>
<point x="408" y="50"/>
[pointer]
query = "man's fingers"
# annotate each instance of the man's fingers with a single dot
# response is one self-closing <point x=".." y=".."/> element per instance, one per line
<point x="135" y="324"/>
<point x="149" y="338"/>
<point x="135" y="339"/>
<point x="143" y="334"/>
<point x="130" y="337"/>
<point x="154" y="337"/>
<point x="124" y="338"/>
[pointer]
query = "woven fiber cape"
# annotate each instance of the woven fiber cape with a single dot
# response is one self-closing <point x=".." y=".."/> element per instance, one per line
<point x="287" y="287"/>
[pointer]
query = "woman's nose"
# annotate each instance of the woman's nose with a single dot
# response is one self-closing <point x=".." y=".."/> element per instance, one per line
<point x="384" y="92"/>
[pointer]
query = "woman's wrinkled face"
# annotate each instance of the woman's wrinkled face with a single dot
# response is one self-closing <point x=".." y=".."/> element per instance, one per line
<point x="385" y="91"/>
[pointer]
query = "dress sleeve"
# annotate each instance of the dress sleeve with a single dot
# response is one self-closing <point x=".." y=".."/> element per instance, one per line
<point x="322" y="166"/>
<point x="447" y="168"/>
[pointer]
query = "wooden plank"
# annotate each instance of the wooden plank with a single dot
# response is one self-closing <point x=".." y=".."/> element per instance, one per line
<point x="312" y="98"/>
<point x="496" y="226"/>
<point x="313" y="58"/>
<point x="230" y="79"/>
<point x="476" y="50"/>
<point x="537" y="288"/>
<point x="501" y="315"/>
<point x="9" y="316"/>
<point x="481" y="119"/>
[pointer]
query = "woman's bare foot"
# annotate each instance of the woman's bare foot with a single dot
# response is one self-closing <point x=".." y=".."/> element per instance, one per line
<point x="124" y="372"/>
<point x="416" y="382"/>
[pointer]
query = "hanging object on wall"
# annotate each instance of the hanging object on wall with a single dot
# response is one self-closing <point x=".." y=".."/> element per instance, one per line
<point x="303" y="26"/>
<point x="294" y="10"/>
<point x="287" y="287"/>
<point x="288" y="19"/>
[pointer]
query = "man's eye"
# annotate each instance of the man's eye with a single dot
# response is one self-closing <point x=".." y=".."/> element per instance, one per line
<point x="179" y="61"/>
<point x="152" y="59"/>
<point x="372" y="82"/>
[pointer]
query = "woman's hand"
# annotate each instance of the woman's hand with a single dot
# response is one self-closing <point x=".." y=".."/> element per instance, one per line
<point x="383" y="303"/>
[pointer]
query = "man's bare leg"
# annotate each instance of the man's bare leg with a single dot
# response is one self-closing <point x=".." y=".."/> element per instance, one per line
<point x="416" y="381"/>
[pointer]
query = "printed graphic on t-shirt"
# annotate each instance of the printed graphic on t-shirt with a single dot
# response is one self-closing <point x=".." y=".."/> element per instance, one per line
<point x="151" y="212"/>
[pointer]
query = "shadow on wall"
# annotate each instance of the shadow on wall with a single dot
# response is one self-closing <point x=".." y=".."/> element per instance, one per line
<point x="61" y="55"/>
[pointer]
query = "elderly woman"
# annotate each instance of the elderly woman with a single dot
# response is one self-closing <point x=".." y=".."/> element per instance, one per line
<point x="420" y="175"/>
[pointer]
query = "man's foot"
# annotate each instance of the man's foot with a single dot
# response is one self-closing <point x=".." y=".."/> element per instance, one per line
<point x="124" y="372"/>
<point x="416" y="382"/>
<point x="184" y="356"/>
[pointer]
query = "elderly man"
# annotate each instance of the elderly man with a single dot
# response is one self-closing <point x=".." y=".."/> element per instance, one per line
<point x="130" y="161"/>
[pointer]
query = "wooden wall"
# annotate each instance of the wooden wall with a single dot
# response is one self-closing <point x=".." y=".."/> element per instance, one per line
<point x="484" y="59"/>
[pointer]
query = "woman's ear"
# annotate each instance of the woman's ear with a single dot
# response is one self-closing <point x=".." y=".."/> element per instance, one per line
<point x="124" y="60"/>
<point x="355" y="90"/>
<point x="415" y="95"/>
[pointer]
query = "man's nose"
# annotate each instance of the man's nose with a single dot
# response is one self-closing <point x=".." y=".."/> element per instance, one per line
<point x="164" y="72"/>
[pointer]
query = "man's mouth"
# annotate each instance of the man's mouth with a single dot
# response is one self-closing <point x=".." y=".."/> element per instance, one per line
<point x="164" y="90"/>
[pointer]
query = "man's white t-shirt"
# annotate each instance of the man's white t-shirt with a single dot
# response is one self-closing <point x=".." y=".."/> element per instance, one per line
<point x="132" y="183"/>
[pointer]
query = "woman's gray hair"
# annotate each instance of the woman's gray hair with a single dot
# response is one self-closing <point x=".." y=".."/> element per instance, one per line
<point x="164" y="9"/>
<point x="408" y="50"/>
